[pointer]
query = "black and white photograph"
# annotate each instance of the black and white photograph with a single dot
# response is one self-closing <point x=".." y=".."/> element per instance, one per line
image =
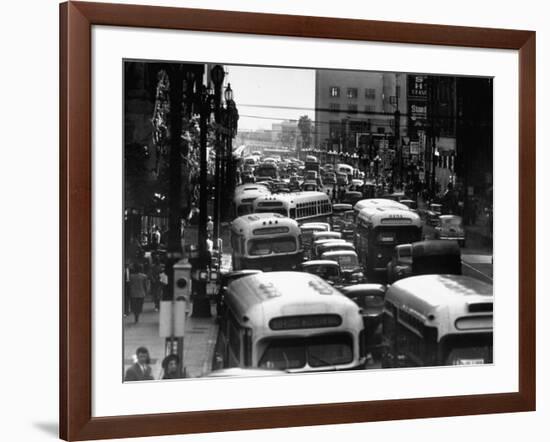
<point x="282" y="220"/>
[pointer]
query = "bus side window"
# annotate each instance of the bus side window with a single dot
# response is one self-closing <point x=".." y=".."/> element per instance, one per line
<point x="235" y="242"/>
<point x="234" y="342"/>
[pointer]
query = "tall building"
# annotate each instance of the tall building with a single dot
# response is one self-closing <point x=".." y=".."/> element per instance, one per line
<point x="356" y="110"/>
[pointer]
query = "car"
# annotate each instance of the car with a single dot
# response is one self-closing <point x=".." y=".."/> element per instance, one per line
<point x="411" y="204"/>
<point x="433" y="213"/>
<point x="351" y="197"/>
<point x="342" y="179"/>
<point x="330" y="178"/>
<point x="400" y="265"/>
<point x="316" y="245"/>
<point x="370" y="298"/>
<point x="327" y="269"/>
<point x="318" y="236"/>
<point x="352" y="272"/>
<point x="450" y="228"/>
<point x="436" y="257"/>
<point x="310" y="186"/>
<point x="338" y="215"/>
<point x="308" y="230"/>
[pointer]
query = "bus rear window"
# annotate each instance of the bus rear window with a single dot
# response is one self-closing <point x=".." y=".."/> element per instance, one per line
<point x="267" y="246"/>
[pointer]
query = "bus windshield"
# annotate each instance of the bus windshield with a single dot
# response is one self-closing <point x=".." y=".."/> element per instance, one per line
<point x="280" y="210"/>
<point x="322" y="351"/>
<point x="396" y="235"/>
<point x="467" y="349"/>
<point x="267" y="246"/>
<point x="244" y="209"/>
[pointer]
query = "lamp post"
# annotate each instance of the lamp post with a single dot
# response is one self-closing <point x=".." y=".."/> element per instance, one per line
<point x="217" y="74"/>
<point x="232" y="118"/>
<point x="201" y="304"/>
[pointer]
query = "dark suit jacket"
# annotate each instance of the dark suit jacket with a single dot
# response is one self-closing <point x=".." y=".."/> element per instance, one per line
<point x="135" y="373"/>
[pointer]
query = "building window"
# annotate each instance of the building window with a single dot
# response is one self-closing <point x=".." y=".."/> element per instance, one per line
<point x="352" y="92"/>
<point x="352" y="108"/>
<point x="369" y="109"/>
<point x="370" y="93"/>
<point x="334" y="107"/>
<point x="334" y="91"/>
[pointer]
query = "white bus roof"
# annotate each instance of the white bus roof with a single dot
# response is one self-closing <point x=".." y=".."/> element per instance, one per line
<point x="247" y="223"/>
<point x="251" y="188"/>
<point x="389" y="216"/>
<point x="441" y="299"/>
<point x="258" y="298"/>
<point x="249" y="195"/>
<point x="378" y="202"/>
<point x="295" y="197"/>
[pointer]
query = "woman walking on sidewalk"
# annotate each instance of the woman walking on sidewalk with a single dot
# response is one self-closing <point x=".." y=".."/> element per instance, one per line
<point x="139" y="286"/>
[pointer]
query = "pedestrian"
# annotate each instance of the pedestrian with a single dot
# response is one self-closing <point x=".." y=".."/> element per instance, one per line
<point x="171" y="367"/>
<point x="138" y="290"/>
<point x="127" y="288"/>
<point x="210" y="227"/>
<point x="163" y="280"/>
<point x="155" y="237"/>
<point x="156" y="289"/>
<point x="140" y="370"/>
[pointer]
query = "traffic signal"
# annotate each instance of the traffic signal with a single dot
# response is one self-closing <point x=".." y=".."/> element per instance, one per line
<point x="182" y="280"/>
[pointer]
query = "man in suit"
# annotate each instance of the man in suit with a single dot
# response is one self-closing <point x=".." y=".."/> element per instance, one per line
<point x="141" y="370"/>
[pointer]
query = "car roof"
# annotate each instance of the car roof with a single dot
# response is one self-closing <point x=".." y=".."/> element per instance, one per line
<point x="357" y="288"/>
<point x="319" y="262"/>
<point x="339" y="252"/>
<point x="435" y="247"/>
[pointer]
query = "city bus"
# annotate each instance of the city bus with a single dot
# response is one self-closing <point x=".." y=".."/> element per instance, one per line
<point x="290" y="321"/>
<point x="312" y="163"/>
<point x="434" y="320"/>
<point x="244" y="197"/>
<point x="377" y="202"/>
<point x="301" y="206"/>
<point x="265" y="241"/>
<point x="378" y="230"/>
<point x="267" y="169"/>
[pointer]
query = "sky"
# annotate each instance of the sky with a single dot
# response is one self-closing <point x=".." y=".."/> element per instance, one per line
<point x="270" y="95"/>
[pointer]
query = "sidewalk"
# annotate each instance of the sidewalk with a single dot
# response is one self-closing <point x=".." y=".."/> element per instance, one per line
<point x="198" y="346"/>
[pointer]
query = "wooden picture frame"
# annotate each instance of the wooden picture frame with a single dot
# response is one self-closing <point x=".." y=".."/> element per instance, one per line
<point x="76" y="21"/>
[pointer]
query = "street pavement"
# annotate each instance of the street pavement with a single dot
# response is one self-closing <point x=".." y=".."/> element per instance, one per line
<point x="198" y="347"/>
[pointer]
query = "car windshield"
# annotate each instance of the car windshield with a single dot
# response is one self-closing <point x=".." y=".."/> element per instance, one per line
<point x="321" y="351"/>
<point x="267" y="246"/>
<point x="346" y="261"/>
<point x="324" y="271"/>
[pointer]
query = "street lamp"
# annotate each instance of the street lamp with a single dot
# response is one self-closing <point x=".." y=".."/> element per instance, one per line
<point x="228" y="94"/>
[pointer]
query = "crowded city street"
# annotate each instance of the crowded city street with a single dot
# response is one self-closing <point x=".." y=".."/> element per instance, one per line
<point x="341" y="240"/>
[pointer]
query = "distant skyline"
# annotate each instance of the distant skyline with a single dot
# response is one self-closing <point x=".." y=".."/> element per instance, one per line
<point x="267" y="95"/>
